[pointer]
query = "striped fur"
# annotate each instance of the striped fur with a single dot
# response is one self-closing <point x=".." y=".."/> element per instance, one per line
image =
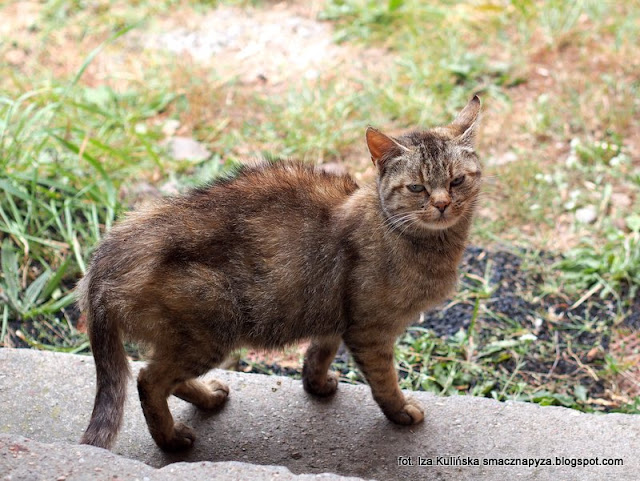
<point x="279" y="253"/>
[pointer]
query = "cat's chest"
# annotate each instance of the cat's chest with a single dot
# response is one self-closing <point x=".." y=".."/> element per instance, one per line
<point x="419" y="283"/>
<point x="397" y="295"/>
<point x="428" y="281"/>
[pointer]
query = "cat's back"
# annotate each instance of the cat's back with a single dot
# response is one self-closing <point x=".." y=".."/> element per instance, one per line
<point x="272" y="186"/>
<point x="270" y="202"/>
<point x="266" y="222"/>
<point x="260" y="208"/>
<point x="268" y="237"/>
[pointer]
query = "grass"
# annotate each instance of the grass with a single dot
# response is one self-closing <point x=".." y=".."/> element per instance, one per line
<point x="64" y="151"/>
<point x="82" y="134"/>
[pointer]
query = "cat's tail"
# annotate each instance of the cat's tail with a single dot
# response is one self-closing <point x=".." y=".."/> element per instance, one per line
<point x="112" y="368"/>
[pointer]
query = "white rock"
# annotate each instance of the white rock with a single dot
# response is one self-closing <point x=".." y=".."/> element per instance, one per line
<point x="620" y="200"/>
<point x="185" y="148"/>
<point x="586" y="215"/>
<point x="333" y="168"/>
<point x="170" y="127"/>
<point x="503" y="159"/>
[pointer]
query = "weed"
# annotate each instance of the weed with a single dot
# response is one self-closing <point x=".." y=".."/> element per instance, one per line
<point x="610" y="269"/>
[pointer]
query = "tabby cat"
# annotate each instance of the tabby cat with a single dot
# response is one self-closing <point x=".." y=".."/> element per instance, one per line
<point x="279" y="253"/>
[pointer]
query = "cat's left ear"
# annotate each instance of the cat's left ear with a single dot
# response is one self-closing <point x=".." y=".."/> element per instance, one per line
<point x="466" y="123"/>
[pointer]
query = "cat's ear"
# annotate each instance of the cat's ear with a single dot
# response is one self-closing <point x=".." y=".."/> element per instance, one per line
<point x="466" y="123"/>
<point x="381" y="147"/>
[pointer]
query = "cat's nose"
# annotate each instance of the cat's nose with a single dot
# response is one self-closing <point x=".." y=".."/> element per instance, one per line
<point x="442" y="205"/>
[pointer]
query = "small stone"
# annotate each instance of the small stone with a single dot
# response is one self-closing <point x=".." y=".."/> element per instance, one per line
<point x="141" y="128"/>
<point x="15" y="57"/>
<point x="138" y="192"/>
<point x="620" y="223"/>
<point x="170" y="127"/>
<point x="586" y="215"/>
<point x="620" y="200"/>
<point x="506" y="158"/>
<point x="296" y="455"/>
<point x="170" y="187"/>
<point x="595" y="353"/>
<point x="186" y="148"/>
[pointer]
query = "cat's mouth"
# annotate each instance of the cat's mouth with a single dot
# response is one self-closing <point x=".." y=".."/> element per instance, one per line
<point x="440" y="222"/>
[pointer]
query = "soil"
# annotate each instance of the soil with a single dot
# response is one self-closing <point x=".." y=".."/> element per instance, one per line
<point x="273" y="48"/>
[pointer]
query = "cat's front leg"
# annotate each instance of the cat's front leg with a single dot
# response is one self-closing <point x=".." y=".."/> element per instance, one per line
<point x="374" y="357"/>
<point x="316" y="378"/>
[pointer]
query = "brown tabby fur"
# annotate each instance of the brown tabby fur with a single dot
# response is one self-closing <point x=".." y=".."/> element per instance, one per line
<point x="280" y="253"/>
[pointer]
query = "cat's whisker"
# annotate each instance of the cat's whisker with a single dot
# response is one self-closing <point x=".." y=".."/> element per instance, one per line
<point x="399" y="221"/>
<point x="399" y="215"/>
<point x="413" y="221"/>
<point x="391" y="222"/>
<point x="402" y="220"/>
<point x="394" y="218"/>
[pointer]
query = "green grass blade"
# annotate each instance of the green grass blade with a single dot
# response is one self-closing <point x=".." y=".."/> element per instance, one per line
<point x="32" y="293"/>
<point x="55" y="281"/>
<point x="10" y="272"/>
<point x="95" y="163"/>
<point x="51" y="307"/>
<point x="5" y="323"/>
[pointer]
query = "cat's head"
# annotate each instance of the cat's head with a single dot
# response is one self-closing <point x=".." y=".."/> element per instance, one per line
<point x="428" y="180"/>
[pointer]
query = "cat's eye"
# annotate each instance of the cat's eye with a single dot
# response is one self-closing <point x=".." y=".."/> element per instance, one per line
<point x="457" y="181"/>
<point x="416" y="188"/>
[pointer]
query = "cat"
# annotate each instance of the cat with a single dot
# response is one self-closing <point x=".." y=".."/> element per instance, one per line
<point x="278" y="253"/>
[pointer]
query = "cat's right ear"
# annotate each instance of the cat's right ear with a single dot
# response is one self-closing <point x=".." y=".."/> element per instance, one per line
<point x="381" y="147"/>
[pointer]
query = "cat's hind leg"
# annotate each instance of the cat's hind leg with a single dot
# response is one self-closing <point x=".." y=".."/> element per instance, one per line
<point x="316" y="378"/>
<point x="155" y="383"/>
<point x="168" y="371"/>
<point x="208" y="394"/>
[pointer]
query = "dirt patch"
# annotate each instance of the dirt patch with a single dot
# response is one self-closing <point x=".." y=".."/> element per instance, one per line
<point x="22" y="15"/>
<point x="581" y="72"/>
<point x="276" y="46"/>
<point x="625" y="349"/>
<point x="267" y="49"/>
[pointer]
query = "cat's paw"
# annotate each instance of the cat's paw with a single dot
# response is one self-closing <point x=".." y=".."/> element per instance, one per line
<point x="326" y="389"/>
<point x="219" y="393"/>
<point x="182" y="438"/>
<point x="411" y="413"/>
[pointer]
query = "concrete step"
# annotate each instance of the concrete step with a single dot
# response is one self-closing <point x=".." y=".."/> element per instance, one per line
<point x="271" y="421"/>
<point x="23" y="459"/>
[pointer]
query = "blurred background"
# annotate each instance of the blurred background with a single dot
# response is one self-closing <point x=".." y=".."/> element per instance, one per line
<point x="105" y="104"/>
